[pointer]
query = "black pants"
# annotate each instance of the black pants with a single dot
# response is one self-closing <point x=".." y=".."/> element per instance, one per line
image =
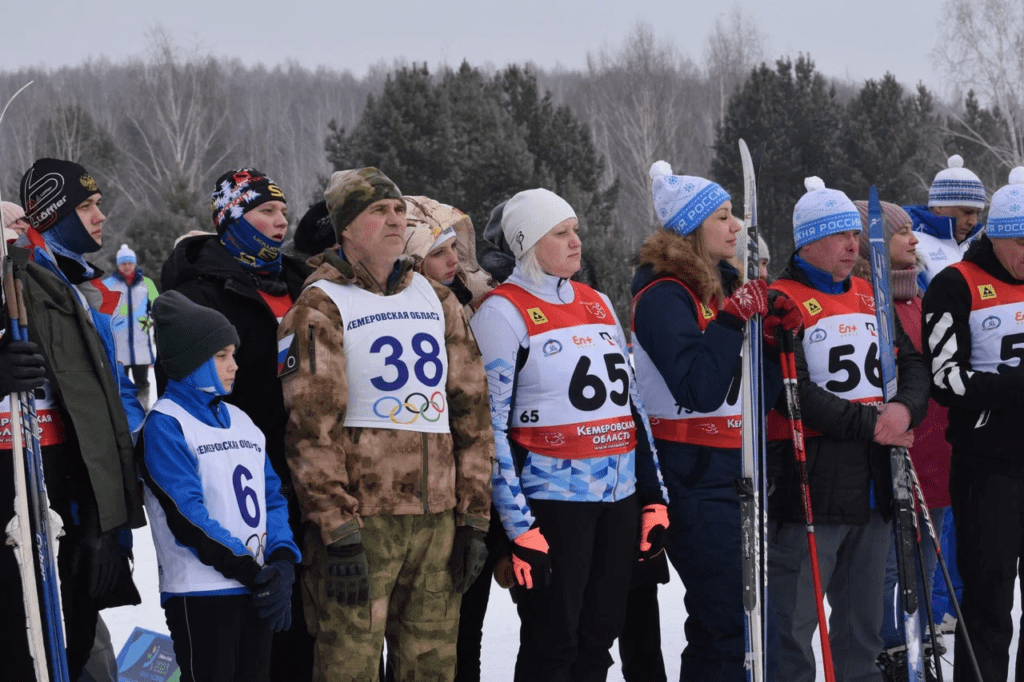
<point x="988" y="510"/>
<point x="568" y="628"/>
<point x="640" y="639"/>
<point x="474" y="606"/>
<point x="140" y="375"/>
<point x="291" y="657"/>
<point x="219" y="639"/>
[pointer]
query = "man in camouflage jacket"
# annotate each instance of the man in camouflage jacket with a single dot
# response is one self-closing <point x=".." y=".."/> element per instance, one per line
<point x="389" y="443"/>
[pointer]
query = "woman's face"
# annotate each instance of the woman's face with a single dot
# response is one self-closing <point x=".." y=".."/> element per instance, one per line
<point x="718" y="232"/>
<point x="560" y="250"/>
<point x="442" y="263"/>
<point x="902" y="251"/>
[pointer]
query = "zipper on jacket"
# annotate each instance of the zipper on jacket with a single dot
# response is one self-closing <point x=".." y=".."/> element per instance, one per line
<point x="426" y="476"/>
<point x="311" y="334"/>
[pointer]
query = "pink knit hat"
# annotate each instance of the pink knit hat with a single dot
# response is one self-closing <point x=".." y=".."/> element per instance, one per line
<point x="9" y="212"/>
<point x="893" y="218"/>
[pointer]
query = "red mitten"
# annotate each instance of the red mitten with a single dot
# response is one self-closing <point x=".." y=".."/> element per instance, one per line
<point x="653" y="527"/>
<point x="783" y="316"/>
<point x="749" y="300"/>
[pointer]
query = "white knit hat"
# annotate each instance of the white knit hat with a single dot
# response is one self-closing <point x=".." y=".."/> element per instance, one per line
<point x="1006" y="217"/>
<point x="125" y="255"/>
<point x="682" y="202"/>
<point x="530" y="215"/>
<point x="822" y="212"/>
<point x="956" y="186"/>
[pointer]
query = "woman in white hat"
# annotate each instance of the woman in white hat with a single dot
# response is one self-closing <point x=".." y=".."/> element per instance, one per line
<point x="574" y="461"/>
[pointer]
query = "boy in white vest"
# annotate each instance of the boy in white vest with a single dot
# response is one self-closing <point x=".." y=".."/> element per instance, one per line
<point x="220" y="523"/>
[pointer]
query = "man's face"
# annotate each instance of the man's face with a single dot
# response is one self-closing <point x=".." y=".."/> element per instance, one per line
<point x="966" y="218"/>
<point x="834" y="254"/>
<point x="1010" y="252"/>
<point x="379" y="229"/>
<point x="127" y="270"/>
<point x="91" y="216"/>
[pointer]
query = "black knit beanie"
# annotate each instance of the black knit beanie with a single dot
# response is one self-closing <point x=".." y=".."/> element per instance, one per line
<point x="188" y="334"/>
<point x="53" y="188"/>
<point x="315" y="233"/>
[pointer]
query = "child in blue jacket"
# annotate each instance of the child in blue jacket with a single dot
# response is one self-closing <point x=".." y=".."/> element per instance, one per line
<point x="219" y="521"/>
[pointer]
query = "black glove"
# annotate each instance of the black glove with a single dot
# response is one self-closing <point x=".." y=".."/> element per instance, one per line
<point x="22" y="367"/>
<point x="102" y="557"/>
<point x="469" y="554"/>
<point x="272" y="594"/>
<point x="348" y="577"/>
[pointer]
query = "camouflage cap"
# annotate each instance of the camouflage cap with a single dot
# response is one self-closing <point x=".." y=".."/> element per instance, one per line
<point x="351" y="191"/>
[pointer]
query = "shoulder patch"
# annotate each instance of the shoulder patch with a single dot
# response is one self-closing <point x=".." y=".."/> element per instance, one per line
<point x="287" y="356"/>
<point x="986" y="291"/>
<point x="536" y="316"/>
<point x="707" y="312"/>
<point x="812" y="305"/>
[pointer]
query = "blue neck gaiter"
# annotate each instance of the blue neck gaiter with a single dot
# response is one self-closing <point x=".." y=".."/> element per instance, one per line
<point x="253" y="250"/>
<point x="820" y="280"/>
<point x="70" y="239"/>
<point x="204" y="378"/>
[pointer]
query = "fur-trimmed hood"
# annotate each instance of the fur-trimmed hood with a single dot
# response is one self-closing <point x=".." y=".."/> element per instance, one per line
<point x="666" y="253"/>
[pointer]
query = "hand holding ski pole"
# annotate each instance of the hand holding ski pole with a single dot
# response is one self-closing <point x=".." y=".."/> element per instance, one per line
<point x="783" y="316"/>
<point x="22" y="367"/>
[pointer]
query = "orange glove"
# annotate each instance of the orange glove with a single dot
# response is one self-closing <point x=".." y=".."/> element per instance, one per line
<point x="530" y="559"/>
<point x="653" y="527"/>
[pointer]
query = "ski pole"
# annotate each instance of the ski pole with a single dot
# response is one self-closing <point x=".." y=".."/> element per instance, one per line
<point x="789" y="382"/>
<point x="937" y="659"/>
<point x="936" y="543"/>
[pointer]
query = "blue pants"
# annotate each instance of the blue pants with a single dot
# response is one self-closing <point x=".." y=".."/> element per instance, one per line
<point x="704" y="547"/>
<point x="893" y="633"/>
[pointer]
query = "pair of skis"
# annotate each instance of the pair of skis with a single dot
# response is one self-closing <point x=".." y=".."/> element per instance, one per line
<point x="34" y="529"/>
<point x="753" y="484"/>
<point x="905" y="485"/>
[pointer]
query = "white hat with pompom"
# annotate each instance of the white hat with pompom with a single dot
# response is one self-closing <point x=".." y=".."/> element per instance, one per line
<point x="822" y="212"/>
<point x="682" y="202"/>
<point x="956" y="186"/>
<point x="1006" y="217"/>
<point x="125" y="255"/>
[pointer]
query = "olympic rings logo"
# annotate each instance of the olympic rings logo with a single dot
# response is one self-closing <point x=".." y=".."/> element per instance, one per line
<point x="430" y="409"/>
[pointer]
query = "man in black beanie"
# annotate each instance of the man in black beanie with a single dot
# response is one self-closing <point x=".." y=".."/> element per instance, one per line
<point x="241" y="272"/>
<point x="87" y="407"/>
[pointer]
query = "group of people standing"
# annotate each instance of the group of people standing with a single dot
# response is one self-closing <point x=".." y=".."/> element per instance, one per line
<point x="352" y="437"/>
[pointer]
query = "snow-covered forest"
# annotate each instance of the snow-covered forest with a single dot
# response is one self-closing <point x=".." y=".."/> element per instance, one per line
<point x="156" y="130"/>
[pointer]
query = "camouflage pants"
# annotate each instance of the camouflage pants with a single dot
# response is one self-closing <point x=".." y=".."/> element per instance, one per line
<point x="412" y="604"/>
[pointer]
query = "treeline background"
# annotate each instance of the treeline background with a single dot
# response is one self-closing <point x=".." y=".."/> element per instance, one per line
<point x="156" y="131"/>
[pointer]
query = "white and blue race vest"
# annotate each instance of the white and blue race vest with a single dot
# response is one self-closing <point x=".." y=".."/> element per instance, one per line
<point x="396" y="363"/>
<point x="230" y="464"/>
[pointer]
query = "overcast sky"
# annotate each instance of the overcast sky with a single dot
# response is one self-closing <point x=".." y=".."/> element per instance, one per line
<point x="858" y="40"/>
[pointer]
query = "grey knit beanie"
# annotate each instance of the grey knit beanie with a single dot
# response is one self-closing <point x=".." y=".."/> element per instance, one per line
<point x="188" y="334"/>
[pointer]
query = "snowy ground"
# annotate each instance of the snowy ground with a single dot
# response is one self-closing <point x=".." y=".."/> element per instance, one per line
<point x="501" y="626"/>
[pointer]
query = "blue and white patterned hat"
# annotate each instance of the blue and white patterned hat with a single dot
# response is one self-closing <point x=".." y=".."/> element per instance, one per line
<point x="822" y="212"/>
<point x="956" y="186"/>
<point x="682" y="202"/>
<point x="1006" y="217"/>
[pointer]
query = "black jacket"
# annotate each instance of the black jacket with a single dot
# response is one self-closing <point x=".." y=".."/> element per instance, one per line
<point x="202" y="270"/>
<point x="842" y="463"/>
<point x="986" y="409"/>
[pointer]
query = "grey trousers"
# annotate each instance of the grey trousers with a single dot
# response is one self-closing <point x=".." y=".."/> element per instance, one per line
<point x="852" y="562"/>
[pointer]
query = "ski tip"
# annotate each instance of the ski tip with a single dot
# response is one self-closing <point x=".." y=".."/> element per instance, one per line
<point x="759" y="154"/>
<point x="873" y="193"/>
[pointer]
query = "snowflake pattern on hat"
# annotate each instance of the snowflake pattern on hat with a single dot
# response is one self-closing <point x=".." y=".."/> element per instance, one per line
<point x="683" y="202"/>
<point x="1006" y="216"/>
<point x="822" y="212"/>
<point x="239" y="191"/>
